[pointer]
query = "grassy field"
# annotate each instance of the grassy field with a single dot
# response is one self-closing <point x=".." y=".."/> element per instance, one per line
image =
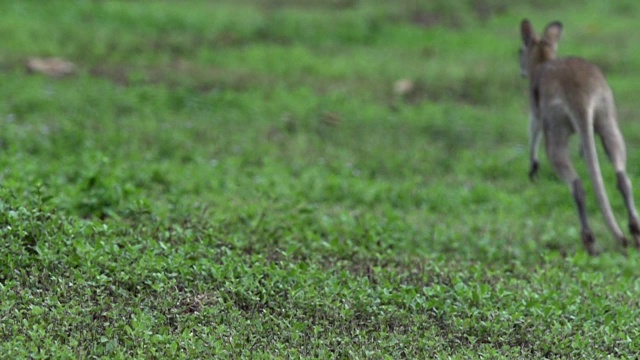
<point x="239" y="179"/>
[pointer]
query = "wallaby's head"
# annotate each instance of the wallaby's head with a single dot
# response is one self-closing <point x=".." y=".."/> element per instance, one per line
<point x="535" y="51"/>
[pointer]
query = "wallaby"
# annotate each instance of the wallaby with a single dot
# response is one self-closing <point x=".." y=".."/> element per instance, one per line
<point x="570" y="95"/>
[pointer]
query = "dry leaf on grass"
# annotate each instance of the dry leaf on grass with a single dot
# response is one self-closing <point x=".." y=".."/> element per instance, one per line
<point x="54" y="67"/>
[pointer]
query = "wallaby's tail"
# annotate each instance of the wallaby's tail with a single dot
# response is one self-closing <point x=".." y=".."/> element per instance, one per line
<point x="591" y="156"/>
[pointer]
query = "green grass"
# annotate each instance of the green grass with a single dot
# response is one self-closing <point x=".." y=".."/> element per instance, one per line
<point x="238" y="179"/>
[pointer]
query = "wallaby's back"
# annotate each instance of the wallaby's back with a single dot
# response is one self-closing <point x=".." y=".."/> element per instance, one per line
<point x="573" y="82"/>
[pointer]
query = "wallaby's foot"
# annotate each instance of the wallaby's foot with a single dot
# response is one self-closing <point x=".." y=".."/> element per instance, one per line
<point x="635" y="232"/>
<point x="625" y="244"/>
<point x="625" y="252"/>
<point x="589" y="243"/>
<point x="533" y="169"/>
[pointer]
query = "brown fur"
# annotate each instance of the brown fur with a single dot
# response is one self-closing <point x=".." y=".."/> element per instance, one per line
<point x="567" y="96"/>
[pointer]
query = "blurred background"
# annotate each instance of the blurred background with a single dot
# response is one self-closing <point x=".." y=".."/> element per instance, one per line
<point x="338" y="177"/>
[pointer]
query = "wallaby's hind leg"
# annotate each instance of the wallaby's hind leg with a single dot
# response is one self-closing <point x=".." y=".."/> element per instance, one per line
<point x="535" y="131"/>
<point x="624" y="185"/>
<point x="616" y="151"/>
<point x="558" y="153"/>
<point x="587" y="235"/>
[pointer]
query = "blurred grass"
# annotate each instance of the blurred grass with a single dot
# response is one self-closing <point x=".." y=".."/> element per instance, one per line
<point x="240" y="179"/>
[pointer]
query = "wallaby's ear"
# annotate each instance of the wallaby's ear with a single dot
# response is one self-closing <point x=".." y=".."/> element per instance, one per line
<point x="528" y="35"/>
<point x="552" y="33"/>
